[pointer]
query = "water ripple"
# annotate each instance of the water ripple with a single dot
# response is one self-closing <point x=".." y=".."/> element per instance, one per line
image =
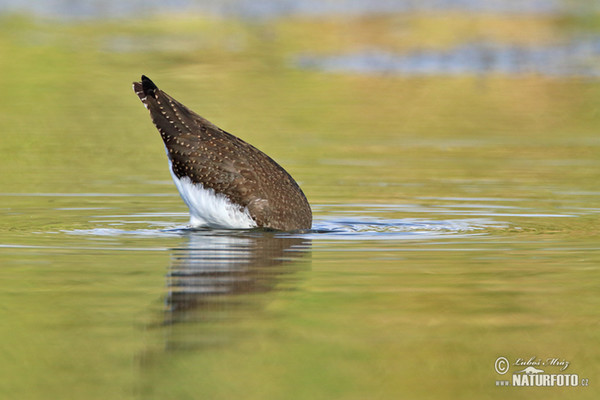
<point x="369" y="228"/>
<point x="356" y="227"/>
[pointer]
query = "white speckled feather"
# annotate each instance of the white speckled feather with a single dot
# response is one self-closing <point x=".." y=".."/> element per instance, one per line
<point x="209" y="209"/>
<point x="225" y="181"/>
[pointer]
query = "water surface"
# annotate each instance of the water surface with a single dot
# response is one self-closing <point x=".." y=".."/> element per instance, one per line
<point x="456" y="215"/>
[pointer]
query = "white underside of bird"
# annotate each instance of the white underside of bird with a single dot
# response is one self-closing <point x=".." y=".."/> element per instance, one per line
<point x="209" y="209"/>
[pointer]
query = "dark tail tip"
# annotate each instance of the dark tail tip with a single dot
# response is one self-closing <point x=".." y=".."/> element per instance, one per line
<point x="148" y="86"/>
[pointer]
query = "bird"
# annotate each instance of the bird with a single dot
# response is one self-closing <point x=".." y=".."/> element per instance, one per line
<point x="225" y="182"/>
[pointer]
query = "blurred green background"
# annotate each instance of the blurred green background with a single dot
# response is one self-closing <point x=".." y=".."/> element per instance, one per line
<point x="450" y="151"/>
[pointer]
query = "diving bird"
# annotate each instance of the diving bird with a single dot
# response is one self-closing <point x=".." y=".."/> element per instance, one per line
<point x="225" y="182"/>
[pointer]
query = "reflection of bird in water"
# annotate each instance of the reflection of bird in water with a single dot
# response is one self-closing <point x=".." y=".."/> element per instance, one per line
<point x="205" y="278"/>
<point x="225" y="182"/>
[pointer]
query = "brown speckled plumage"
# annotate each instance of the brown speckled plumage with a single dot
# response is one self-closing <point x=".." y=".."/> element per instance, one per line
<point x="210" y="156"/>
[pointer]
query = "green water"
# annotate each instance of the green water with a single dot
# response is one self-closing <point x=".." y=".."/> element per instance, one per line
<point x="456" y="218"/>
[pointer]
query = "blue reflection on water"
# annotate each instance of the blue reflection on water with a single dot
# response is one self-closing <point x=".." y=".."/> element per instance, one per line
<point x="275" y="8"/>
<point x="577" y="59"/>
